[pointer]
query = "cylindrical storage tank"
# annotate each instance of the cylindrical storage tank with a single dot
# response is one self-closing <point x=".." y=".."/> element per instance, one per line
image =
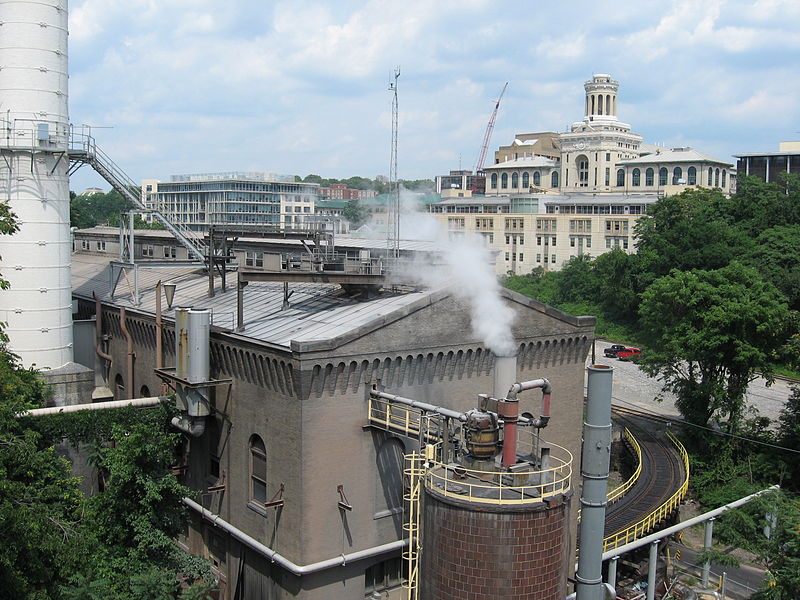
<point x="34" y="137"/>
<point x="473" y="551"/>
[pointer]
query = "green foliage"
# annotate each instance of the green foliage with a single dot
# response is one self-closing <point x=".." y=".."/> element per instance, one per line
<point x="380" y="185"/>
<point x="708" y="334"/>
<point x="616" y="276"/>
<point x="538" y="284"/>
<point x="781" y="554"/>
<point x="8" y="225"/>
<point x="688" y="231"/>
<point x="39" y="501"/>
<point x="776" y="255"/>
<point x="758" y="206"/>
<point x="354" y="212"/>
<point x="90" y="210"/>
<point x="788" y="434"/>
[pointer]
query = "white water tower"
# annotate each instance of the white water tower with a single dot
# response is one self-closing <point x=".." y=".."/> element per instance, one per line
<point x="33" y="180"/>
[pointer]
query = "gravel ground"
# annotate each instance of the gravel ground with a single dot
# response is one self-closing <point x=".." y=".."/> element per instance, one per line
<point x="634" y="389"/>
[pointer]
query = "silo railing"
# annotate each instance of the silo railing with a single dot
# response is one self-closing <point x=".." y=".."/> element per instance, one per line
<point x="519" y="485"/>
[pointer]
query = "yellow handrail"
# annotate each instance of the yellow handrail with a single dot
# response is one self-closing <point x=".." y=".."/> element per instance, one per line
<point x="500" y="487"/>
<point x="637" y="450"/>
<point x="642" y="527"/>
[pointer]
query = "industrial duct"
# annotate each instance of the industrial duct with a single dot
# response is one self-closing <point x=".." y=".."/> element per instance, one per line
<point x="192" y="366"/>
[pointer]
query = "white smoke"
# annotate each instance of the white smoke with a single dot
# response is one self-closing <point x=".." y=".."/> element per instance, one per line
<point x="467" y="269"/>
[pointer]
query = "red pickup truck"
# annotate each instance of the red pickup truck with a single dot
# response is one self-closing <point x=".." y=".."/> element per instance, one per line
<point x="629" y="354"/>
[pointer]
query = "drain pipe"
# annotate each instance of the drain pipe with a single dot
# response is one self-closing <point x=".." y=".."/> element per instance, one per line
<point x="273" y="556"/>
<point x="508" y="409"/>
<point x="594" y="470"/>
<point x="129" y="342"/>
<point x="98" y="336"/>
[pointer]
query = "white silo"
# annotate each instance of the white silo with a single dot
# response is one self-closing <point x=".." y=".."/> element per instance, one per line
<point x="33" y="180"/>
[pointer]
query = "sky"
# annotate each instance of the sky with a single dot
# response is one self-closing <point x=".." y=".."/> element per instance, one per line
<point x="195" y="86"/>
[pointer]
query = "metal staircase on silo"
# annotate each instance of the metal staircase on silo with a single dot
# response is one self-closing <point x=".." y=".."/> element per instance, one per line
<point x="84" y="150"/>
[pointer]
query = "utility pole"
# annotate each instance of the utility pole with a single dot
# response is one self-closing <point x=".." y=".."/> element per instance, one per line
<point x="393" y="205"/>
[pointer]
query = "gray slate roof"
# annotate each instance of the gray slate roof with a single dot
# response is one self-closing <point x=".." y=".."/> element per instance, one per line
<point x="318" y="312"/>
<point x="674" y="155"/>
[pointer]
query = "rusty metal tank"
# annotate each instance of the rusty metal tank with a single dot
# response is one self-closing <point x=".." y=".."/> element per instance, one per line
<point x="482" y="434"/>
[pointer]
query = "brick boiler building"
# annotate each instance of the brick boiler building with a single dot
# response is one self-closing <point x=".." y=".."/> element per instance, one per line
<point x="301" y="497"/>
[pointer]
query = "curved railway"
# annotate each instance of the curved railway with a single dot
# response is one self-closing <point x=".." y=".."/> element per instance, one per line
<point x="661" y="477"/>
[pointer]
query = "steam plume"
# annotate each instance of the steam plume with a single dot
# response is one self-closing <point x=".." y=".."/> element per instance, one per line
<point x="467" y="269"/>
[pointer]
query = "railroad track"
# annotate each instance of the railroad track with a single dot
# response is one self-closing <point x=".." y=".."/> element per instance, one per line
<point x="662" y="473"/>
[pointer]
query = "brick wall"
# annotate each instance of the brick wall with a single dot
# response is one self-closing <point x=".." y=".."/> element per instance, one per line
<point x="482" y="553"/>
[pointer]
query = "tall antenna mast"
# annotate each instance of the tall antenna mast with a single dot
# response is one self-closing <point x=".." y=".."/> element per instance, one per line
<point x="393" y="208"/>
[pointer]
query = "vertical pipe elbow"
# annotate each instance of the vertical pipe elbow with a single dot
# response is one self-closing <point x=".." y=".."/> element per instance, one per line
<point x="194" y="426"/>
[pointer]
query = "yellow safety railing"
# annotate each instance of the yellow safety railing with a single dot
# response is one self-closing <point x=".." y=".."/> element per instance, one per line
<point x="639" y="529"/>
<point x="502" y="487"/>
<point x="414" y="470"/>
<point x="394" y="417"/>
<point x="637" y="450"/>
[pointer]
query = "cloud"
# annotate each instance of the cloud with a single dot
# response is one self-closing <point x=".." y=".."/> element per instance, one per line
<point x="192" y="85"/>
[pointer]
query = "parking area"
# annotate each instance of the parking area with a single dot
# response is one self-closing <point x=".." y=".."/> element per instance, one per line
<point x="634" y="389"/>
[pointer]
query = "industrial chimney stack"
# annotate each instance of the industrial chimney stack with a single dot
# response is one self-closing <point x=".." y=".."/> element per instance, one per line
<point x="34" y="141"/>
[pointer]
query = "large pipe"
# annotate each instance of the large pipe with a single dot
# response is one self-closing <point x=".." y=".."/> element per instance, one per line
<point x="190" y="425"/>
<point x="508" y="408"/>
<point x="58" y="410"/>
<point x="98" y="329"/>
<point x="594" y="469"/>
<point x="159" y="329"/>
<point x="273" y="556"/>
<point x="192" y="364"/>
<point x="686" y="524"/>
<point x="445" y="412"/>
<point x="129" y="350"/>
<point x="440" y="410"/>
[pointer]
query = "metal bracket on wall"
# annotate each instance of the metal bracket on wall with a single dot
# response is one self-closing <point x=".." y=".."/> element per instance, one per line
<point x="344" y="504"/>
<point x="219" y="486"/>
<point x="168" y="375"/>
<point x="277" y="500"/>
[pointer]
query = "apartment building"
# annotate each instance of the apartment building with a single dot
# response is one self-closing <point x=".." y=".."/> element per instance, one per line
<point x="234" y="198"/>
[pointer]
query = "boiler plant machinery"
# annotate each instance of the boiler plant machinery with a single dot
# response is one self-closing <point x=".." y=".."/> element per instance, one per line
<point x="484" y="491"/>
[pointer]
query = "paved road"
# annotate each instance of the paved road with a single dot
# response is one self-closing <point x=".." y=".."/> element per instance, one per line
<point x="634" y="389"/>
<point x="741" y="581"/>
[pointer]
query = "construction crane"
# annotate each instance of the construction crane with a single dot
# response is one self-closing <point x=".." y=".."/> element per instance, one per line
<point x="488" y="136"/>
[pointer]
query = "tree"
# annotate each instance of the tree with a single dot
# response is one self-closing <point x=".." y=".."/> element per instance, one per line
<point x="776" y="255"/>
<point x="781" y="553"/>
<point x="708" y="333"/>
<point x="789" y="434"/>
<point x="616" y="275"/>
<point x="39" y="501"/>
<point x="758" y="205"/>
<point x="354" y="212"/>
<point x="688" y="231"/>
<point x="576" y="282"/>
<point x="89" y="210"/>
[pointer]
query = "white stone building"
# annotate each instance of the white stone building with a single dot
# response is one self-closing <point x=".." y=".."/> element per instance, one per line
<point x="540" y="210"/>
